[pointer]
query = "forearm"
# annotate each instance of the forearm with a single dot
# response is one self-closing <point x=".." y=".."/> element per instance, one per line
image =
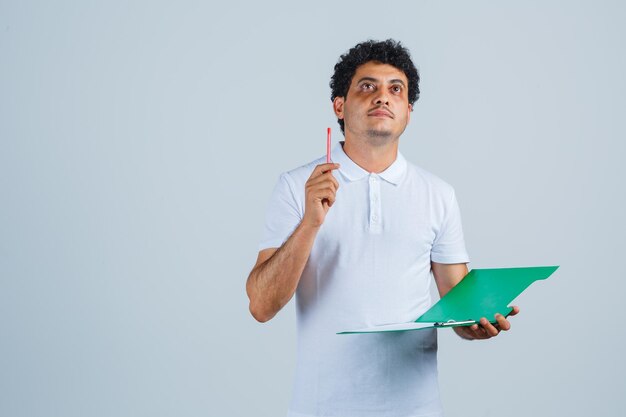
<point x="446" y="277"/>
<point x="272" y="283"/>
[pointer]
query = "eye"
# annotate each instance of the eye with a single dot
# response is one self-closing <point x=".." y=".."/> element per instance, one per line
<point x="396" y="89"/>
<point x="367" y="86"/>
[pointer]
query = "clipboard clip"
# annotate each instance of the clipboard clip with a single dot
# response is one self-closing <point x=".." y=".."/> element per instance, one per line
<point x="453" y="323"/>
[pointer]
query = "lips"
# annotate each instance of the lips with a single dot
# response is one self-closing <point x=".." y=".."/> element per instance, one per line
<point x="380" y="113"/>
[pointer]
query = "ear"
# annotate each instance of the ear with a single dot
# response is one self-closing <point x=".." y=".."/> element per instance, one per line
<point x="408" y="113"/>
<point x="338" y="107"/>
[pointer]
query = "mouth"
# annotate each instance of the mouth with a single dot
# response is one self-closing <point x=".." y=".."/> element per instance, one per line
<point x="380" y="113"/>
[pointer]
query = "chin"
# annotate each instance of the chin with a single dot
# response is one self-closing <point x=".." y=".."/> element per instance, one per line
<point x="379" y="137"/>
<point x="376" y="133"/>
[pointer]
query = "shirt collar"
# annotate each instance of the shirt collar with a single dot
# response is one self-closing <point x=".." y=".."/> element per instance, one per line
<point x="393" y="174"/>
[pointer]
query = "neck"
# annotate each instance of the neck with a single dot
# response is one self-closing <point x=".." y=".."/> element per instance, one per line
<point x="374" y="159"/>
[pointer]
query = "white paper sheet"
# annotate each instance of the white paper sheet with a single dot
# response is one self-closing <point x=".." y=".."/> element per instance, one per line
<point x="398" y="327"/>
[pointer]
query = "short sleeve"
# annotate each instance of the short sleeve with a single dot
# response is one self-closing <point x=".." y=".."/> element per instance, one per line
<point x="449" y="245"/>
<point x="283" y="214"/>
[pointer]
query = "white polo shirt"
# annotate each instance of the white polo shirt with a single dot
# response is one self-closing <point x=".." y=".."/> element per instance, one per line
<point x="370" y="265"/>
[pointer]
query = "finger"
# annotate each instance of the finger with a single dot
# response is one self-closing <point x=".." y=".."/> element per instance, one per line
<point x="478" y="332"/>
<point x="489" y="328"/>
<point x="503" y="323"/>
<point x="327" y="193"/>
<point x="322" y="168"/>
<point x="514" y="311"/>
<point x="315" y="195"/>
<point x="465" y="332"/>
<point x="326" y="177"/>
<point x="481" y="334"/>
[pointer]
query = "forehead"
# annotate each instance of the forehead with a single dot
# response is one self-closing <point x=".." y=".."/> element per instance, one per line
<point x="378" y="71"/>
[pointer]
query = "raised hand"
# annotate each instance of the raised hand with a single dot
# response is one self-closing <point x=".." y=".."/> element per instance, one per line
<point x="320" y="191"/>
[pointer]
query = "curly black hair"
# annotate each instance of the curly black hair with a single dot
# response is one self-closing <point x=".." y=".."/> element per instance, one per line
<point x="386" y="52"/>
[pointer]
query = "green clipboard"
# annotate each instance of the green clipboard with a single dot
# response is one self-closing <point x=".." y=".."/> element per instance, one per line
<point x="481" y="293"/>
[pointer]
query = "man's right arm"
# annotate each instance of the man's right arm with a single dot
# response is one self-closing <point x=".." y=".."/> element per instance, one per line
<point x="275" y="277"/>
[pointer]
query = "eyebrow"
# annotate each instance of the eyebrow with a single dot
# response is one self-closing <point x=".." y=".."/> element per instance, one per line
<point x="394" y="81"/>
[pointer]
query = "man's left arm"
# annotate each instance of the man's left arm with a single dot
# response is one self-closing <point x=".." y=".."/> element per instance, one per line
<point x="446" y="277"/>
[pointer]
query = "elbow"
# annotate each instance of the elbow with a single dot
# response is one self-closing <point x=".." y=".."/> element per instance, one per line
<point x="258" y="313"/>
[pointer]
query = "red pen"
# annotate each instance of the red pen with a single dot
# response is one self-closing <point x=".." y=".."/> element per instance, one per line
<point x="328" y="145"/>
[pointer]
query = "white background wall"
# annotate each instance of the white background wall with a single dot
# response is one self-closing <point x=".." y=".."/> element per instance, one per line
<point x="139" y="142"/>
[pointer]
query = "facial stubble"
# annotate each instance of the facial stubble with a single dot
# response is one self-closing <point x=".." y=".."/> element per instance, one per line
<point x="378" y="137"/>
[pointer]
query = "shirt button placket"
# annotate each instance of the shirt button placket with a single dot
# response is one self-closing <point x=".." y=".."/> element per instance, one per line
<point x="375" y="211"/>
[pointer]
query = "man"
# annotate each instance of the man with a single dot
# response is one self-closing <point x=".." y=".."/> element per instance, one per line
<point x="356" y="240"/>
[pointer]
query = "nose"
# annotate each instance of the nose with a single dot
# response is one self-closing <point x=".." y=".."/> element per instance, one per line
<point x="381" y="98"/>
